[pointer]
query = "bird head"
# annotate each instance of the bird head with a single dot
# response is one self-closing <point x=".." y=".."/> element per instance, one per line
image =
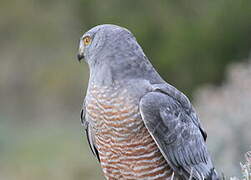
<point x="113" y="53"/>
<point x="106" y="41"/>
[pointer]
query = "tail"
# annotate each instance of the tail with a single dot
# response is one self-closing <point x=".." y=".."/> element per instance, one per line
<point x="201" y="173"/>
<point x="213" y="175"/>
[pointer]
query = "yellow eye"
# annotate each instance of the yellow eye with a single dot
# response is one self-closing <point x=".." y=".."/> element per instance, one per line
<point x="87" y="40"/>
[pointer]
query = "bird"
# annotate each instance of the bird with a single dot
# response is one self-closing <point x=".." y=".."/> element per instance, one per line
<point x="138" y="126"/>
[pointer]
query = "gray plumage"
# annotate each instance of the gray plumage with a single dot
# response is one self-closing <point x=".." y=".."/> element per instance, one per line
<point x="115" y="57"/>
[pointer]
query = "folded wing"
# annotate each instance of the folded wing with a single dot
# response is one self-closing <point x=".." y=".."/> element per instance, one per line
<point x="175" y="127"/>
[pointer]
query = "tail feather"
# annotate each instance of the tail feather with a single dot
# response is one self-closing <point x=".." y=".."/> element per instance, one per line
<point x="200" y="172"/>
<point x="213" y="175"/>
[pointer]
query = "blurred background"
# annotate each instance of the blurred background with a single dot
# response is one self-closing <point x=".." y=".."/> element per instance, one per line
<point x="201" y="47"/>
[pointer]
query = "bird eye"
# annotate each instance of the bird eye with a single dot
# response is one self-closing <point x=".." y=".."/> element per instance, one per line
<point x="87" y="40"/>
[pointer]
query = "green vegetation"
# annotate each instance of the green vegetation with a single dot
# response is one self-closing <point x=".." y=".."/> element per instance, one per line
<point x="42" y="85"/>
<point x="190" y="42"/>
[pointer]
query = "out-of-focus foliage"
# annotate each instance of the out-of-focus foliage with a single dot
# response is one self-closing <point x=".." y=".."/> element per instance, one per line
<point x="190" y="42"/>
<point x="42" y="85"/>
<point x="41" y="90"/>
<point x="51" y="150"/>
<point x="245" y="168"/>
<point x="225" y="113"/>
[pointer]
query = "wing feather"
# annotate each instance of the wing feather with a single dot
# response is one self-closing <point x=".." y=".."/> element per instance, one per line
<point x="179" y="134"/>
<point x="89" y="131"/>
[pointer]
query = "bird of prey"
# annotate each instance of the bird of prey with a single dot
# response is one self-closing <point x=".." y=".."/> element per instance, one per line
<point x="137" y="125"/>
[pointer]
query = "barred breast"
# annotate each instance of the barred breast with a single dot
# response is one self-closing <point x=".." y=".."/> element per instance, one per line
<point x="126" y="149"/>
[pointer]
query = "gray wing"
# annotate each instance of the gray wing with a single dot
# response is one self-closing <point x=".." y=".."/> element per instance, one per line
<point x="175" y="127"/>
<point x="89" y="131"/>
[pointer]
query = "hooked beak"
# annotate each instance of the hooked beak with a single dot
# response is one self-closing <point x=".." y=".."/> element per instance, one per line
<point x="80" y="56"/>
